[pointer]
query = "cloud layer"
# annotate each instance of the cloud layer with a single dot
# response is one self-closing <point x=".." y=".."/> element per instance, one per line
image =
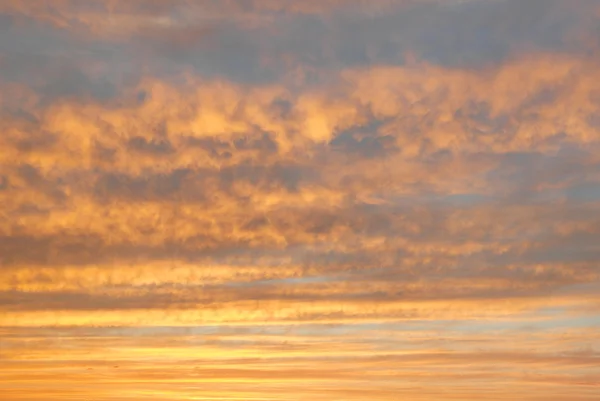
<point x="275" y="200"/>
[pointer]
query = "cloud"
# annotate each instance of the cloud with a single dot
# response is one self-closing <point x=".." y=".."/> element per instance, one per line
<point x="265" y="41"/>
<point x="283" y="199"/>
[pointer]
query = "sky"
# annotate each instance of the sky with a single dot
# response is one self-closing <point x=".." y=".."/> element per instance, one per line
<point x="285" y="200"/>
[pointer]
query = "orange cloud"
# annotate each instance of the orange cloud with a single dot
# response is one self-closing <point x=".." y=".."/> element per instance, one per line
<point x="355" y="219"/>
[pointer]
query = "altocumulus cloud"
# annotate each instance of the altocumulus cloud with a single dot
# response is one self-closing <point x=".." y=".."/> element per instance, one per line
<point x="289" y="199"/>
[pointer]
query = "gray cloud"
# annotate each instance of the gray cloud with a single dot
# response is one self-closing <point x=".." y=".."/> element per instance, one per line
<point x="470" y="35"/>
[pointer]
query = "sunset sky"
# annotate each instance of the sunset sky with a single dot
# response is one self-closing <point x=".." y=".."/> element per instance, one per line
<point x="286" y="200"/>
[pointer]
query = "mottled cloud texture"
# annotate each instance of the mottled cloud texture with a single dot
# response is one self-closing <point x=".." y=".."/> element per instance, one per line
<point x="300" y="200"/>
